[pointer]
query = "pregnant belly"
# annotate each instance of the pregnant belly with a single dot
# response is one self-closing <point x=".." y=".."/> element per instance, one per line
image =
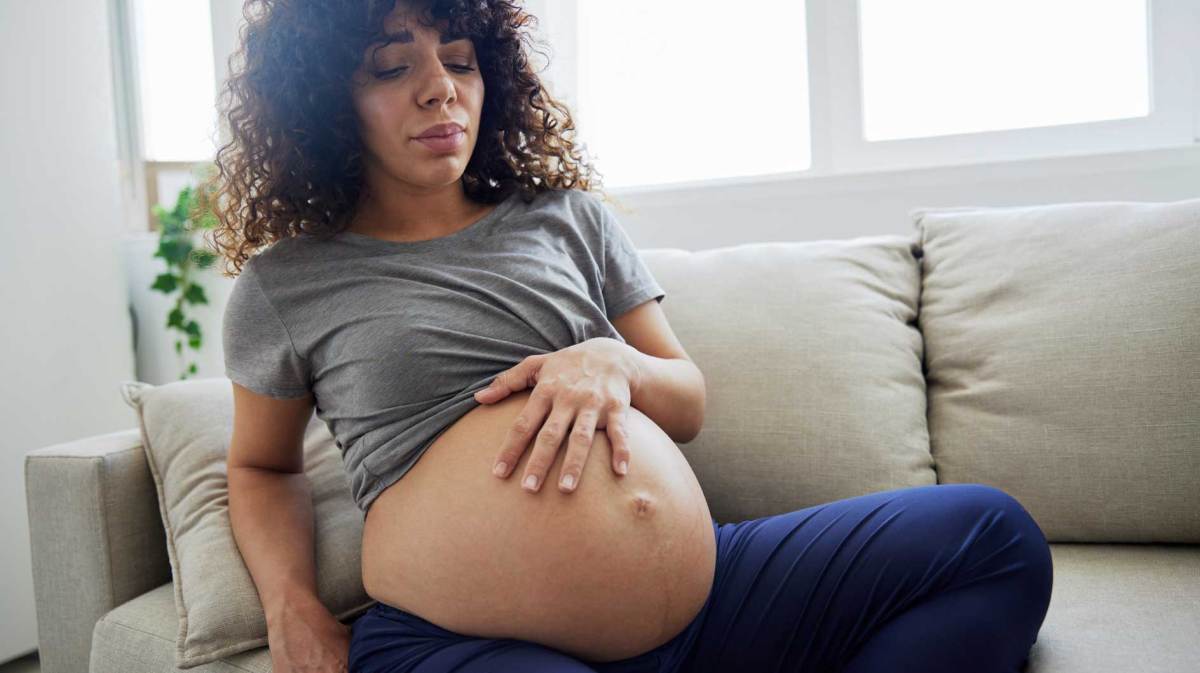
<point x="611" y="570"/>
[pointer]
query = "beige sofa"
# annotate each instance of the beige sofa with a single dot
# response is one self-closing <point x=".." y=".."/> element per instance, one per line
<point x="1051" y="351"/>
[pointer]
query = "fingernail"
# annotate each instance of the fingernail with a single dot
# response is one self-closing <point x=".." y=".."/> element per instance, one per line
<point x="568" y="481"/>
<point x="623" y="467"/>
<point x="499" y="469"/>
<point x="531" y="482"/>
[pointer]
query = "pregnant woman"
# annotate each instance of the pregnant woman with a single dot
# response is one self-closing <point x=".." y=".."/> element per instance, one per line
<point x="422" y="261"/>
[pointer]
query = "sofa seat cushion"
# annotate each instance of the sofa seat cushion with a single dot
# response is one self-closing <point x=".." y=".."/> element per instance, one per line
<point x="1117" y="608"/>
<point x="139" y="637"/>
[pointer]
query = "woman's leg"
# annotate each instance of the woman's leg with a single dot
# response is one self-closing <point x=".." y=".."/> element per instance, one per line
<point x="929" y="579"/>
<point x="388" y="640"/>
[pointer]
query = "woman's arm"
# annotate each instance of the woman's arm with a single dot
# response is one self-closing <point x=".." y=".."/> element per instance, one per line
<point x="670" y="388"/>
<point x="272" y="518"/>
<point x="671" y="392"/>
<point x="271" y="513"/>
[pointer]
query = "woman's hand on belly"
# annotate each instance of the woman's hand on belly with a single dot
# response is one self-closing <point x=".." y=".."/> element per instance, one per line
<point x="582" y="388"/>
<point x="608" y="571"/>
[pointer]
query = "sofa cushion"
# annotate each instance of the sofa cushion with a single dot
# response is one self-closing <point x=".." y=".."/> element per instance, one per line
<point x="1121" y="607"/>
<point x="812" y="364"/>
<point x="1063" y="351"/>
<point x="1115" y="608"/>
<point x="139" y="637"/>
<point x="186" y="427"/>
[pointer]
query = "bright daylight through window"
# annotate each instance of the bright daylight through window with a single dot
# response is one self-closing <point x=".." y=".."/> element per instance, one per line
<point x="175" y="79"/>
<point x="679" y="90"/>
<point x="939" y="67"/>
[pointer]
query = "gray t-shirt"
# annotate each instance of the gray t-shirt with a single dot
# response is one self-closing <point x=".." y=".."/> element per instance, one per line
<point x="394" y="338"/>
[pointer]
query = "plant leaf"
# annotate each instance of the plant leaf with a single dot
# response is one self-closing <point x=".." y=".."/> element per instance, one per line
<point x="165" y="282"/>
<point x="194" y="294"/>
<point x="175" y="249"/>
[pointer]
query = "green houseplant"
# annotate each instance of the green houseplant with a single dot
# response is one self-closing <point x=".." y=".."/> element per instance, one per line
<point x="177" y="246"/>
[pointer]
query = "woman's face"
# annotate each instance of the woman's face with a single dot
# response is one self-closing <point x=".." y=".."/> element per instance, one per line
<point x="408" y="85"/>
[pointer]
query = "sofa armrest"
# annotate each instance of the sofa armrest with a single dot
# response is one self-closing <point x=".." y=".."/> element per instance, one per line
<point x="96" y="537"/>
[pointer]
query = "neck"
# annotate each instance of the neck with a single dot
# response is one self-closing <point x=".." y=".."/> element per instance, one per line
<point x="400" y="211"/>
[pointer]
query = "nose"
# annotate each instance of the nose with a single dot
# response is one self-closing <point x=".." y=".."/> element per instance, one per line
<point x="437" y="88"/>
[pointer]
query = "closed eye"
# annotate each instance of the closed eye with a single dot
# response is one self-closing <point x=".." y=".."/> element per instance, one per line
<point x="396" y="71"/>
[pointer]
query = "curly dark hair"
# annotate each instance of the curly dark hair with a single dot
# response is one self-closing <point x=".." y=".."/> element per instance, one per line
<point x="294" y="162"/>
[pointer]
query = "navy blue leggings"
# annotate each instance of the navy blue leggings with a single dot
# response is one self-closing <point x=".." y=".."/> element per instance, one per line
<point x="930" y="579"/>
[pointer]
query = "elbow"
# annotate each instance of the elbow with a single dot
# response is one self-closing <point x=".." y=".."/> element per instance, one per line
<point x="687" y="437"/>
<point x="688" y="433"/>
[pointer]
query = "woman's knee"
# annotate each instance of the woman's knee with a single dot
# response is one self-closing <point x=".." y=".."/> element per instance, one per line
<point x="1023" y="530"/>
<point x="987" y="498"/>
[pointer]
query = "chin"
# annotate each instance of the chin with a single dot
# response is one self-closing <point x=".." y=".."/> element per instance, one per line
<point x="447" y="172"/>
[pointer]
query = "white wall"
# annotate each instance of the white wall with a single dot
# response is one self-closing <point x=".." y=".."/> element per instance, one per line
<point x="66" y="336"/>
<point x="731" y="212"/>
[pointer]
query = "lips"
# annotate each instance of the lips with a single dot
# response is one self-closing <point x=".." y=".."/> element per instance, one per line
<point x="443" y="144"/>
<point x="441" y="130"/>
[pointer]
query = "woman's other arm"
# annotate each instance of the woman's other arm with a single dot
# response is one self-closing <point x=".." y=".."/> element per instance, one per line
<point x="670" y="387"/>
<point x="270" y="511"/>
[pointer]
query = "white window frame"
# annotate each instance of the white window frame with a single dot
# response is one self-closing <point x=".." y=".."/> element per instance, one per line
<point x="139" y="176"/>
<point x="1170" y="123"/>
<point x="134" y="177"/>
<point x="835" y="114"/>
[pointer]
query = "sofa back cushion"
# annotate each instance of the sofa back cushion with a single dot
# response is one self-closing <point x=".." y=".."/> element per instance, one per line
<point x="812" y="365"/>
<point x="186" y="427"/>
<point x="1063" y="349"/>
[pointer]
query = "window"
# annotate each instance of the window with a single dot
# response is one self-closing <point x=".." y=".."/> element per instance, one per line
<point x="938" y="67"/>
<point x="703" y="89"/>
<point x="175" y="79"/>
<point x="166" y="98"/>
<point x="853" y="86"/>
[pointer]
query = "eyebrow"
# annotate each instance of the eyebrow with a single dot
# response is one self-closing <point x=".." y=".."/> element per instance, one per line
<point x="405" y="36"/>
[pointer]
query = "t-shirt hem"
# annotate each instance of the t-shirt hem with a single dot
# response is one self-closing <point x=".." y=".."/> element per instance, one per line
<point x="383" y="477"/>
<point x="381" y="484"/>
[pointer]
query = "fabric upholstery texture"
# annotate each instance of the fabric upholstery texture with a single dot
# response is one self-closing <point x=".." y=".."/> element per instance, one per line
<point x="1063" y="348"/>
<point x="185" y="429"/>
<point x="96" y="539"/>
<point x="812" y="364"/>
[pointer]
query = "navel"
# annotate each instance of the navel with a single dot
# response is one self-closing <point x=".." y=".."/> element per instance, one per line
<point x="643" y="506"/>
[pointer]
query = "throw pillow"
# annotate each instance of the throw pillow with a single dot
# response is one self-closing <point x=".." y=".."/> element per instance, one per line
<point x="812" y="361"/>
<point x="1063" y="355"/>
<point x="185" y="428"/>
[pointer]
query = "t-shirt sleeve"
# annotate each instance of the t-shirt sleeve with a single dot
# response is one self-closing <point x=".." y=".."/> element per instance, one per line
<point x="627" y="280"/>
<point x="259" y="353"/>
